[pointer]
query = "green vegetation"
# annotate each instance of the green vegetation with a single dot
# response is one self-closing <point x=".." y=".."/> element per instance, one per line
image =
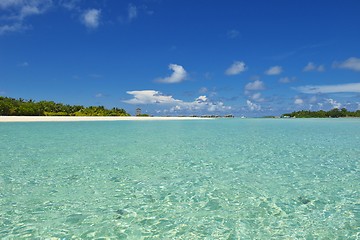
<point x="21" y="107"/>
<point x="334" y="113"/>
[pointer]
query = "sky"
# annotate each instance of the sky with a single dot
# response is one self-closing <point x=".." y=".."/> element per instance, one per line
<point x="175" y="57"/>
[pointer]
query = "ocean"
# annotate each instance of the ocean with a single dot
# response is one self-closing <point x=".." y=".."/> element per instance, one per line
<point x="195" y="179"/>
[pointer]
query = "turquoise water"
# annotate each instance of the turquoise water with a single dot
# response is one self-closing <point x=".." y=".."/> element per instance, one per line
<point x="205" y="179"/>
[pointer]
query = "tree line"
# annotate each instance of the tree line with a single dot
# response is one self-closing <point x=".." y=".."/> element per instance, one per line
<point x="20" y="107"/>
<point x="333" y="113"/>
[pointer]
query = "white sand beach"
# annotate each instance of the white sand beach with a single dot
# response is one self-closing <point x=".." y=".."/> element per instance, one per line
<point x="76" y="119"/>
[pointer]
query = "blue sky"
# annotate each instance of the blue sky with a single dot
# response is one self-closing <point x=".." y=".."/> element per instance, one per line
<point x="172" y="57"/>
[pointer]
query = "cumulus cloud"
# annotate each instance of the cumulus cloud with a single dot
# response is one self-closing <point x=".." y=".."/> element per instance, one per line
<point x="202" y="99"/>
<point x="15" y="12"/>
<point x="16" y="27"/>
<point x="287" y="80"/>
<point x="298" y="101"/>
<point x="312" y="67"/>
<point x="275" y="70"/>
<point x="253" y="106"/>
<point x="309" y="67"/>
<point x="132" y="12"/>
<point x="150" y="97"/>
<point x="156" y="97"/>
<point x="257" y="97"/>
<point x="339" y="88"/>
<point x="255" y="85"/>
<point x="9" y="3"/>
<point x="210" y="93"/>
<point x="91" y="18"/>
<point x="236" y="68"/>
<point x="29" y="10"/>
<point x="69" y="4"/>
<point x="20" y="9"/>
<point x="177" y="76"/>
<point x="333" y="103"/>
<point x="352" y="63"/>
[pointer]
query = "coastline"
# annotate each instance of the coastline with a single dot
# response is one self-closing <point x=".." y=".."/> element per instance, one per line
<point x="92" y="118"/>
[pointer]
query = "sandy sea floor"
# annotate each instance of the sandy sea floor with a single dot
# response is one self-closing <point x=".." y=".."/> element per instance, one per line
<point x="222" y="179"/>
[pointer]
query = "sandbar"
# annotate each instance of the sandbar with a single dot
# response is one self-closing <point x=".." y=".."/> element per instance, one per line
<point x="81" y="119"/>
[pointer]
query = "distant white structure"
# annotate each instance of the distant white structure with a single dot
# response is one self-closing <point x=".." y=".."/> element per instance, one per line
<point x="138" y="111"/>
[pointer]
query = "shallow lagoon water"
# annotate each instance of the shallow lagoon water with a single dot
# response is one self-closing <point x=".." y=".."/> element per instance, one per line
<point x="203" y="179"/>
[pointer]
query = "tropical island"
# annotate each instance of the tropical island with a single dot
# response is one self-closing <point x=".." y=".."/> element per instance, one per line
<point x="333" y="113"/>
<point x="20" y="107"/>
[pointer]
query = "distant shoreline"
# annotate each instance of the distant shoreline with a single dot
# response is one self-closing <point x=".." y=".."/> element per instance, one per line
<point x="90" y="118"/>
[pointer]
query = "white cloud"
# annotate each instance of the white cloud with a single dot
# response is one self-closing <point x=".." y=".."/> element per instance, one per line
<point x="236" y="68"/>
<point x="309" y="67"/>
<point x="19" y="9"/>
<point x="352" y="63"/>
<point x="175" y="109"/>
<point x="275" y="70"/>
<point x="15" y="12"/>
<point x="253" y="106"/>
<point x="91" y="18"/>
<point x="204" y="90"/>
<point x="10" y="3"/>
<point x="150" y="97"/>
<point x="132" y="12"/>
<point x="299" y="101"/>
<point x="177" y="76"/>
<point x="333" y="103"/>
<point x="29" y="10"/>
<point x="255" y="85"/>
<point x="202" y="99"/>
<point x="16" y="27"/>
<point x="312" y="67"/>
<point x="217" y="106"/>
<point x="349" y="87"/>
<point x="257" y="97"/>
<point x="69" y="4"/>
<point x="156" y="97"/>
<point x="287" y="80"/>
<point x="99" y="95"/>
